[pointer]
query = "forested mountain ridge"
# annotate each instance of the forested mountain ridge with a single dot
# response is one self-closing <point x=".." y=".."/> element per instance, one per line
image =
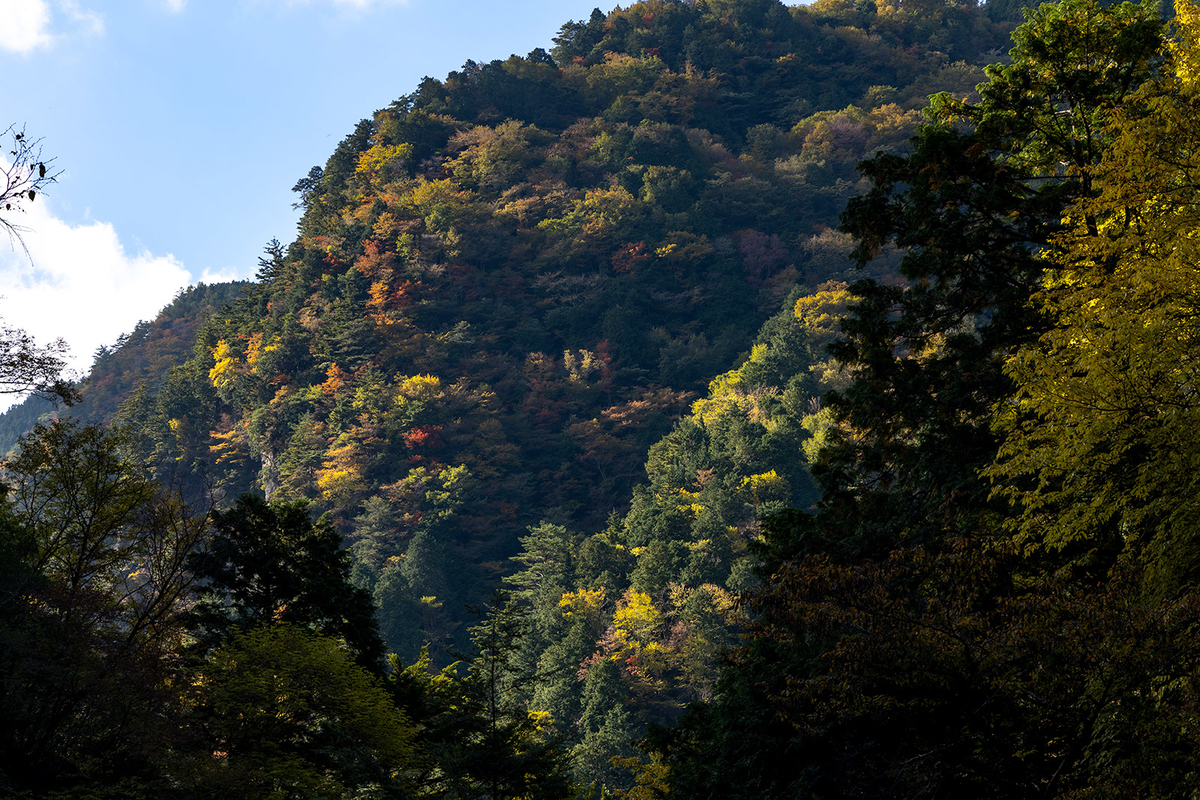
<point x="985" y="584"/>
<point x="510" y="282"/>
<point x="508" y="286"/>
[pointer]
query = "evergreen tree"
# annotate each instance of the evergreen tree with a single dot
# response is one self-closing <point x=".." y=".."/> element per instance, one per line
<point x="479" y="739"/>
<point x="270" y="563"/>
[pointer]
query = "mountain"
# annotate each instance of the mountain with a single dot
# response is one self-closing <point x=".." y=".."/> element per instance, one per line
<point x="930" y="533"/>
<point x="508" y="284"/>
<point x="518" y="293"/>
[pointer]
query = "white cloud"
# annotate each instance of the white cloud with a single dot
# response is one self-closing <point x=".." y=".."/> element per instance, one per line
<point x="82" y="284"/>
<point x="220" y="276"/>
<point x="176" y="6"/>
<point x="26" y="25"/>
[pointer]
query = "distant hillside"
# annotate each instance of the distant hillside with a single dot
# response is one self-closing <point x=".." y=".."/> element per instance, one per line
<point x="144" y="356"/>
<point x="20" y="419"/>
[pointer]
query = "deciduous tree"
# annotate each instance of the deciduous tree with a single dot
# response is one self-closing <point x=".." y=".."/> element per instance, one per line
<point x="1100" y="452"/>
<point x="26" y="174"/>
<point x="93" y="559"/>
<point x="281" y="711"/>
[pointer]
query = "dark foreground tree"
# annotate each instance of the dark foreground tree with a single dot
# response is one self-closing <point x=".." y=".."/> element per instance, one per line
<point x="282" y="711"/>
<point x="92" y="579"/>
<point x="897" y="636"/>
<point x="267" y="563"/>
<point x="931" y="675"/>
<point x="974" y="211"/>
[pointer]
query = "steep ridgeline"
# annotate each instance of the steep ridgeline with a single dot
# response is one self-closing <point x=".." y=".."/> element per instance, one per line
<point x="507" y="284"/>
<point x="145" y="356"/>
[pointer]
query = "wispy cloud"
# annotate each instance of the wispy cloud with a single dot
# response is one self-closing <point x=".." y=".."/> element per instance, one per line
<point x="88" y="21"/>
<point x="82" y="285"/>
<point x="176" y="6"/>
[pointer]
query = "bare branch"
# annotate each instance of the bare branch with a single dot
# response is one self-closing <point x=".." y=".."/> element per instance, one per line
<point x="24" y="365"/>
<point x="25" y="175"/>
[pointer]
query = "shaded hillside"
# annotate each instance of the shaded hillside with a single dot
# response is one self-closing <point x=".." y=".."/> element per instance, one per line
<point x="507" y="284"/>
<point x="627" y="625"/>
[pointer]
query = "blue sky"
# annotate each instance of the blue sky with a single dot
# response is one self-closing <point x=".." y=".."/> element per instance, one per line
<point x="181" y="125"/>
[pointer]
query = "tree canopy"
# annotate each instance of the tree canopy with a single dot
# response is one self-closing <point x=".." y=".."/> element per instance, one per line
<point x="822" y="438"/>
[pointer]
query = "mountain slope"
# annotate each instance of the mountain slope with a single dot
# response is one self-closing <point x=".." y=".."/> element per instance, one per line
<point x="507" y="284"/>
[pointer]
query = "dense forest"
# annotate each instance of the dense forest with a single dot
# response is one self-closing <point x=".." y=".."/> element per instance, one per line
<point x="509" y="284"/>
<point x="735" y="400"/>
